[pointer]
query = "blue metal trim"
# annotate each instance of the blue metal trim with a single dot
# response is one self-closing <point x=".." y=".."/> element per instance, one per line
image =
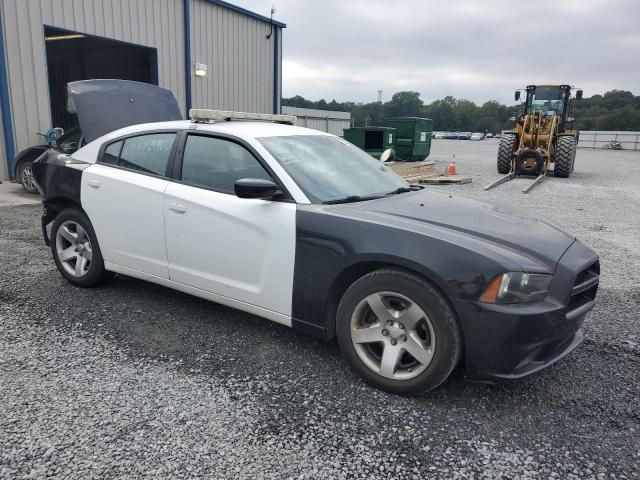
<point x="187" y="58"/>
<point x="249" y="13"/>
<point x="5" y="107"/>
<point x="276" y="35"/>
<point x="280" y="71"/>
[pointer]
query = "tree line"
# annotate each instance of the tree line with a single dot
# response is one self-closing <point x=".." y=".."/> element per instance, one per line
<point x="614" y="110"/>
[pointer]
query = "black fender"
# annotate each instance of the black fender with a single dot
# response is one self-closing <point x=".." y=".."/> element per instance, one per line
<point x="58" y="178"/>
<point x="333" y="251"/>
<point x="29" y="154"/>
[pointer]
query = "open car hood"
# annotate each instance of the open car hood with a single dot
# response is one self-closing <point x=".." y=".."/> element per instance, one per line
<point x="103" y="106"/>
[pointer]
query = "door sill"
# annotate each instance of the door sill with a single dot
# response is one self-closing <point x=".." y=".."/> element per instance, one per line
<point x="197" y="292"/>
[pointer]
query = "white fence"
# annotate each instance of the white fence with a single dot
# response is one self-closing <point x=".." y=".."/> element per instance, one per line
<point x="324" y="120"/>
<point x="597" y="139"/>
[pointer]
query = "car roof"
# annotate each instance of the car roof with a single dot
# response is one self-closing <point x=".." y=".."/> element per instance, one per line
<point x="245" y="130"/>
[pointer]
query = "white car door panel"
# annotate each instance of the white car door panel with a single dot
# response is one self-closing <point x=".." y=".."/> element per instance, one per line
<point x="239" y="248"/>
<point x="126" y="211"/>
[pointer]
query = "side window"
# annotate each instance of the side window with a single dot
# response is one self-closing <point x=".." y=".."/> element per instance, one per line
<point x="112" y="153"/>
<point x="147" y="153"/>
<point x="144" y="153"/>
<point x="216" y="163"/>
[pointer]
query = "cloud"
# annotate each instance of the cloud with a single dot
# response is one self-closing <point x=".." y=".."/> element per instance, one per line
<point x="478" y="50"/>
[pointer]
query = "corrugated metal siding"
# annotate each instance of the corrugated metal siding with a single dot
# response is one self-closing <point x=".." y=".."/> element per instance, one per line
<point x="239" y="57"/>
<point x="152" y="23"/>
<point x="323" y="120"/>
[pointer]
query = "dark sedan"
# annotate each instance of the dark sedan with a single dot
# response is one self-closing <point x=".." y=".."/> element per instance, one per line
<point x="68" y="143"/>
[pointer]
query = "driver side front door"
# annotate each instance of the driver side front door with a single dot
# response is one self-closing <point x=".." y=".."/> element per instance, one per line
<point x="237" y="248"/>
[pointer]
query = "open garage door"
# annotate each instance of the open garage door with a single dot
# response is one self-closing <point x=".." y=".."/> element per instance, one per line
<point x="73" y="56"/>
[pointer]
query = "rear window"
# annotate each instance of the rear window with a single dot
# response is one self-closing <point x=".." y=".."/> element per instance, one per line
<point x="112" y="153"/>
<point x="144" y="153"/>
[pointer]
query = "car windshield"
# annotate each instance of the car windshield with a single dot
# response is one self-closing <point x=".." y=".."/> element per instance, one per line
<point x="328" y="168"/>
<point x="547" y="99"/>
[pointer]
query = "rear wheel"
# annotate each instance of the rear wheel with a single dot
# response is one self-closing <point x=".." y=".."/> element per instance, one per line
<point x="505" y="153"/>
<point x="398" y="332"/>
<point x="565" y="156"/>
<point x="75" y="249"/>
<point x="25" y="177"/>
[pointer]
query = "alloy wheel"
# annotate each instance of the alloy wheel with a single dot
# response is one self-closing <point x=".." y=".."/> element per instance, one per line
<point x="392" y="335"/>
<point x="27" y="178"/>
<point x="73" y="247"/>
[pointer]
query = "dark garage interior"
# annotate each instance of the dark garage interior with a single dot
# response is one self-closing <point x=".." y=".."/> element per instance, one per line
<point x="75" y="56"/>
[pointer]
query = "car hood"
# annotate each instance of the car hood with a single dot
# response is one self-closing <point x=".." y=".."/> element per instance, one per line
<point x="104" y="106"/>
<point x="532" y="243"/>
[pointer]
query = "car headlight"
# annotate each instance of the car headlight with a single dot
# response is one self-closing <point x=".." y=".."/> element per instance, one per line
<point x="517" y="287"/>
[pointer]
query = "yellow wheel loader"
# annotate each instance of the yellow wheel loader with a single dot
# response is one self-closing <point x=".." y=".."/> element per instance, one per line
<point x="543" y="140"/>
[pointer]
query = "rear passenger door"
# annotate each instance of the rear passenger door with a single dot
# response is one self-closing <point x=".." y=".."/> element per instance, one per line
<point x="123" y="196"/>
<point x="238" y="248"/>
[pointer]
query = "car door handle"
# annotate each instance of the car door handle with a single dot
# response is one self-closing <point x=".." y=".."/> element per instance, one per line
<point x="93" y="183"/>
<point x="178" y="208"/>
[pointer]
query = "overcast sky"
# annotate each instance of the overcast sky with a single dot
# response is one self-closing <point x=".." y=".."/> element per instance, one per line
<point x="478" y="50"/>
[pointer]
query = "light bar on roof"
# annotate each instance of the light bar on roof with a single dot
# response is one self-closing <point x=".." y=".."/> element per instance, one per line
<point x="204" y="115"/>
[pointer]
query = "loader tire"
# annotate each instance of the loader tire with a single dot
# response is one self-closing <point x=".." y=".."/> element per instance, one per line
<point x="505" y="153"/>
<point x="565" y="156"/>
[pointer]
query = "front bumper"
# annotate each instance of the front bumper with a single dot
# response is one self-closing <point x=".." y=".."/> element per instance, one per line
<point x="510" y="341"/>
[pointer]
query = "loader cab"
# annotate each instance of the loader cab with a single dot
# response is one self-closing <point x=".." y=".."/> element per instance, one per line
<point x="550" y="100"/>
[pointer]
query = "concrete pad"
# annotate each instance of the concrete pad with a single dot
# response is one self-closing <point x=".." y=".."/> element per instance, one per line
<point x="12" y="194"/>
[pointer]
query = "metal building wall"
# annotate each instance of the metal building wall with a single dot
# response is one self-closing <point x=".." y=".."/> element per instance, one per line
<point x="151" y="23"/>
<point x="239" y="57"/>
<point x="323" y="120"/>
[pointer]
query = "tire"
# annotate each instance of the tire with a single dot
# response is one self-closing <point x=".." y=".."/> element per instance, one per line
<point x="367" y="340"/>
<point x="76" y="251"/>
<point x="24" y="175"/>
<point x="505" y="153"/>
<point x="565" y="156"/>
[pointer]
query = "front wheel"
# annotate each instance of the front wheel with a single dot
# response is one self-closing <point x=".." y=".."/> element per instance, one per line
<point x="505" y="153"/>
<point x="565" y="156"/>
<point x="24" y="175"/>
<point x="398" y="332"/>
<point x="76" y="251"/>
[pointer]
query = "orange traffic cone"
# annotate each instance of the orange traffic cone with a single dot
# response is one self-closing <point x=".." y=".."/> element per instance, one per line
<point x="452" y="166"/>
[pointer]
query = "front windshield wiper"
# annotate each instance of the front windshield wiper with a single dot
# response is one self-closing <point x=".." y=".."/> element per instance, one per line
<point x="403" y="190"/>
<point x="350" y="199"/>
<point x="358" y="198"/>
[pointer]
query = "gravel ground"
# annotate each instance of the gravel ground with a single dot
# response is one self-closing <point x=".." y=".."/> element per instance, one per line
<point x="135" y="380"/>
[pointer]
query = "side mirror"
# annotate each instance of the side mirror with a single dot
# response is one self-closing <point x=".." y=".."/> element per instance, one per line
<point x="255" y="188"/>
<point x="517" y="95"/>
<point x="578" y="94"/>
<point x="389" y="155"/>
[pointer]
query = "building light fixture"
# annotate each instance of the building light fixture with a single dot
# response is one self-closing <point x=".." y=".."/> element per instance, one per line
<point x="201" y="70"/>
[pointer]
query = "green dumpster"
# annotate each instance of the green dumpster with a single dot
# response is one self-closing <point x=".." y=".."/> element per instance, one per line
<point x="413" y="137"/>
<point x="373" y="140"/>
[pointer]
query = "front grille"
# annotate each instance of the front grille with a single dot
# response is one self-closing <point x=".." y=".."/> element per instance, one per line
<point x="591" y="270"/>
<point x="585" y="287"/>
